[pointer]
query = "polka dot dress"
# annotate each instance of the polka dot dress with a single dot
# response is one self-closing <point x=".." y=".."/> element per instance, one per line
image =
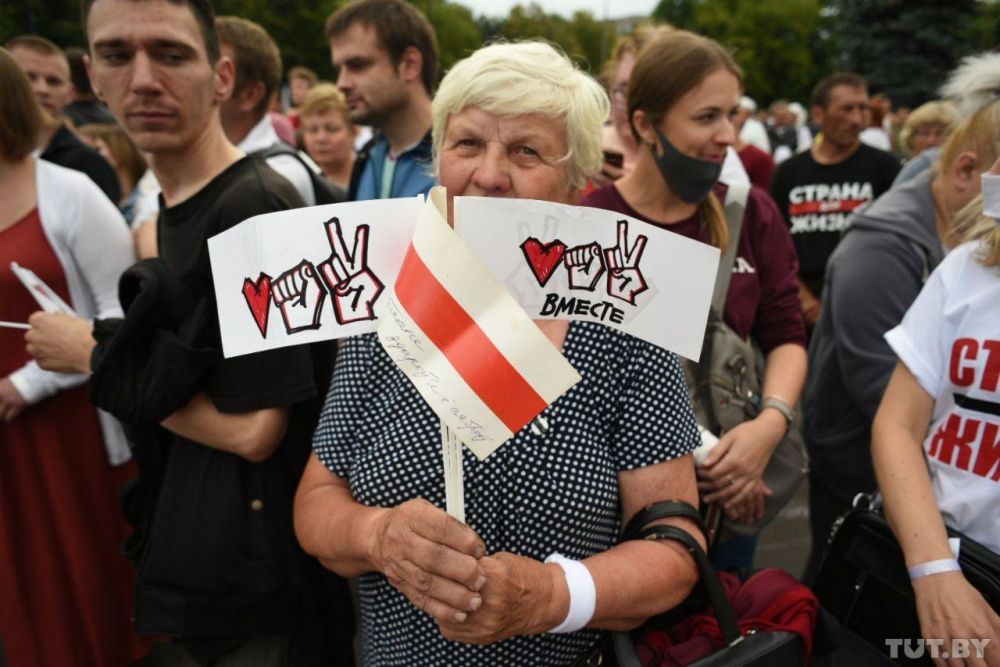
<point x="552" y="488"/>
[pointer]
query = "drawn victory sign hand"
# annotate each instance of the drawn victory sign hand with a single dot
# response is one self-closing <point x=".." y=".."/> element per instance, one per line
<point x="586" y="266"/>
<point x="354" y="287"/>
<point x="625" y="280"/>
<point x="299" y="295"/>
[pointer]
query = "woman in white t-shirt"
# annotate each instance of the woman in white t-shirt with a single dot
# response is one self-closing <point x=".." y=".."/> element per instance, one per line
<point x="937" y="431"/>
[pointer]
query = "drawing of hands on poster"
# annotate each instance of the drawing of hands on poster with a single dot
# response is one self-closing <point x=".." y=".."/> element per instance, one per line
<point x="299" y="295"/>
<point x="625" y="280"/>
<point x="353" y="286"/>
<point x="586" y="266"/>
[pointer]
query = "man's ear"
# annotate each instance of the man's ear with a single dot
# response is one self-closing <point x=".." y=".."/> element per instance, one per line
<point x="411" y="64"/>
<point x="250" y="96"/>
<point x="225" y="77"/>
<point x="93" y="81"/>
<point x="817" y="114"/>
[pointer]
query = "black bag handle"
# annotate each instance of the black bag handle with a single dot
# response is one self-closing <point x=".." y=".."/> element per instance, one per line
<point x="661" y="510"/>
<point x="710" y="580"/>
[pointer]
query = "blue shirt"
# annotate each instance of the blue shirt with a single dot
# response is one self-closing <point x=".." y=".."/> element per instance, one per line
<point x="412" y="175"/>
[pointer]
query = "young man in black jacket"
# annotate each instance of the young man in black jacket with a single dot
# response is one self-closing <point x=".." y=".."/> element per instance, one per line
<point x="219" y="569"/>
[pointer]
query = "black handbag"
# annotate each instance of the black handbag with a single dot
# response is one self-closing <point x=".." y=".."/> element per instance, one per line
<point x="764" y="648"/>
<point x="863" y="580"/>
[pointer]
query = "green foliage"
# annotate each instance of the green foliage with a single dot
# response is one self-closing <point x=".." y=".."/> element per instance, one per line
<point x="906" y="49"/>
<point x="457" y="31"/>
<point x="774" y="41"/>
<point x="58" y="20"/>
<point x="583" y="38"/>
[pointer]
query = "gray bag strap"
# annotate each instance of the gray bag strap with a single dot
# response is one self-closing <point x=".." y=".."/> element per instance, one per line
<point x="736" y="206"/>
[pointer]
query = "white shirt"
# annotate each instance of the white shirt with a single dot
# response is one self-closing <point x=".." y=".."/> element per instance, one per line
<point x="733" y="171"/>
<point x="950" y="341"/>
<point x="261" y="137"/>
<point x="755" y="133"/>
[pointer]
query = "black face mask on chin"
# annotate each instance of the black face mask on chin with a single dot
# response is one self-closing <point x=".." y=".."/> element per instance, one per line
<point x="690" y="178"/>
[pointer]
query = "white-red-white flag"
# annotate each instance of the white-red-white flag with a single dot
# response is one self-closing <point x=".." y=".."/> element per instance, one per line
<point x="472" y="352"/>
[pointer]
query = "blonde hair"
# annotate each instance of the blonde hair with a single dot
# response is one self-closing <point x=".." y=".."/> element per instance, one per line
<point x="533" y="77"/>
<point x="977" y="134"/>
<point x="932" y="113"/>
<point x="630" y="45"/>
<point x="324" y="97"/>
<point x="666" y="70"/>
<point x="971" y="225"/>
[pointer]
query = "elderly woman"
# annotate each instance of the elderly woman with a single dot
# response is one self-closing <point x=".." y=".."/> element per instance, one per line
<point x="512" y="120"/>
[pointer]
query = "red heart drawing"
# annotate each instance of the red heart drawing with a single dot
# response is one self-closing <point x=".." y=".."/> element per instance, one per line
<point x="258" y="298"/>
<point x="543" y="258"/>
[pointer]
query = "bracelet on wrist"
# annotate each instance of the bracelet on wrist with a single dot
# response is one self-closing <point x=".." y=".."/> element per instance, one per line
<point x="784" y="408"/>
<point x="582" y="594"/>
<point x="933" y="567"/>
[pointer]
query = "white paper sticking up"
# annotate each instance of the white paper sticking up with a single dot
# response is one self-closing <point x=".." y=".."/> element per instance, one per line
<point x="308" y="274"/>
<point x="454" y="478"/>
<point x="580" y="263"/>
<point x="46" y="297"/>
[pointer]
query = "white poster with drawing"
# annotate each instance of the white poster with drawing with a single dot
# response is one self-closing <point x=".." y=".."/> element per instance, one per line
<point x="308" y="274"/>
<point x="580" y="263"/>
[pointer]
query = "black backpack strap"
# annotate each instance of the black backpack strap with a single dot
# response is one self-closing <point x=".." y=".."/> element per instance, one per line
<point x="661" y="510"/>
<point x="709" y="579"/>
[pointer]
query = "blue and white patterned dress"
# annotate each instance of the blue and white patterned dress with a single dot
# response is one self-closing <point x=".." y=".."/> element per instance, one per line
<point x="552" y="488"/>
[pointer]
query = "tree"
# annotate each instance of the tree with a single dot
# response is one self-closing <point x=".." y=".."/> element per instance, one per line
<point x="57" y="20"/>
<point x="458" y="34"/>
<point x="906" y="49"/>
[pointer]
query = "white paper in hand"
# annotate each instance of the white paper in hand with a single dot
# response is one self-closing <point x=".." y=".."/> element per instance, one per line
<point x="46" y="297"/>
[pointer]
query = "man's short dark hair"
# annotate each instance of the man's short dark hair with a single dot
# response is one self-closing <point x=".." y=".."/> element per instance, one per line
<point x="821" y="93"/>
<point x="35" y="43"/>
<point x="398" y="25"/>
<point x="78" y="71"/>
<point x="203" y="14"/>
<point x="255" y="54"/>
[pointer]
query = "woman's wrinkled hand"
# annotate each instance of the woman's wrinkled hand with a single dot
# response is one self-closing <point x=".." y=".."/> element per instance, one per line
<point x="748" y="507"/>
<point x="11" y="402"/>
<point x="731" y="473"/>
<point x="950" y="608"/>
<point x="431" y="557"/>
<point x="516" y="600"/>
<point x="60" y="342"/>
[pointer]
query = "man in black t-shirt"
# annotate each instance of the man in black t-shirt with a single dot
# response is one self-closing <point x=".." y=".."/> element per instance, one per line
<point x="818" y="189"/>
<point x="219" y="569"/>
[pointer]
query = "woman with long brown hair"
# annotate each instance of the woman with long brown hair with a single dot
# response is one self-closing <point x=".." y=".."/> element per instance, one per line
<point x="682" y="96"/>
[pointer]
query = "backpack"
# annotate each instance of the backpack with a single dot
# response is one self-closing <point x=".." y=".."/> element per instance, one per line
<point x="324" y="191"/>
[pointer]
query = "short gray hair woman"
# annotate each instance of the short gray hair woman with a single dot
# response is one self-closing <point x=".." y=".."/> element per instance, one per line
<point x="512" y="120"/>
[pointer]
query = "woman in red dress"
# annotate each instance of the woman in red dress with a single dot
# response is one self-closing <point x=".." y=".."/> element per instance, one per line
<point x="64" y="584"/>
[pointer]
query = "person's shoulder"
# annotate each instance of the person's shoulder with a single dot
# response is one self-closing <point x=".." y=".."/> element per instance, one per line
<point x="877" y="155"/>
<point x="798" y="165"/>
<point x="64" y="182"/>
<point x="605" y="197"/>
<point x="251" y="183"/>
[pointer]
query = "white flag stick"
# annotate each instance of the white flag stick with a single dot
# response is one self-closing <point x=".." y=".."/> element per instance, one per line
<point x="15" y="325"/>
<point x="451" y="456"/>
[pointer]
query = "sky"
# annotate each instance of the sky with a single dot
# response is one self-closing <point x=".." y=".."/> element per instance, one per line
<point x="616" y="8"/>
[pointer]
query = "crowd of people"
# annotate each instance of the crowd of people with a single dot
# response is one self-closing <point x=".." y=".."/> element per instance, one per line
<point x="163" y="505"/>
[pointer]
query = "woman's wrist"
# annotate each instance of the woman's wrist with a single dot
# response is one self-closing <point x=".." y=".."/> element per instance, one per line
<point x="568" y="595"/>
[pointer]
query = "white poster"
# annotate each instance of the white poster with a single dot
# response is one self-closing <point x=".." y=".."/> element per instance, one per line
<point x="308" y="274"/>
<point x="580" y="263"/>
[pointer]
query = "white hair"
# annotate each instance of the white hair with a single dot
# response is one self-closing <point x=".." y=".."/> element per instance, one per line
<point x="513" y="79"/>
<point x="974" y="83"/>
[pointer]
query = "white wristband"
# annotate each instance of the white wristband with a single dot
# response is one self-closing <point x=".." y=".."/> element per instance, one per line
<point x="991" y="195"/>
<point x="933" y="567"/>
<point x="582" y="594"/>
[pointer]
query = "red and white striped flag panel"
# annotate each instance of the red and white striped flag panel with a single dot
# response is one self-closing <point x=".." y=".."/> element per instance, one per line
<point x="471" y="351"/>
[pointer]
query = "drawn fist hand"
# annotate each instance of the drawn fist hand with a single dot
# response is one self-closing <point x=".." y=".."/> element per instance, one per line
<point x="299" y="295"/>
<point x="586" y="266"/>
